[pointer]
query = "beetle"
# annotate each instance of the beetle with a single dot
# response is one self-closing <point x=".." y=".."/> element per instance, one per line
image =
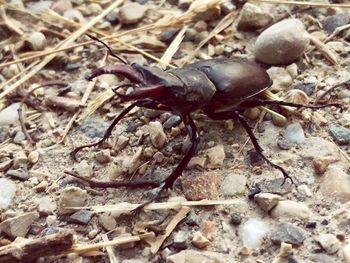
<point x="222" y="88"/>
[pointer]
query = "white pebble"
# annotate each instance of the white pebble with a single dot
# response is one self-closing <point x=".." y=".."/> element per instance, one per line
<point x="253" y="232"/>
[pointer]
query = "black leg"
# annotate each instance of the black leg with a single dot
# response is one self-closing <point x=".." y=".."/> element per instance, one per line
<point x="236" y="115"/>
<point x="141" y="103"/>
<point x="263" y="102"/>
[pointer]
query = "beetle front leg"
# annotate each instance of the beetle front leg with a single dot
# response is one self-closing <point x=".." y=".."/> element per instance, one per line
<point x="236" y="115"/>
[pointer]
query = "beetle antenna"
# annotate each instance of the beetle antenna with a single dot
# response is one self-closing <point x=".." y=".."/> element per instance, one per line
<point x="110" y="52"/>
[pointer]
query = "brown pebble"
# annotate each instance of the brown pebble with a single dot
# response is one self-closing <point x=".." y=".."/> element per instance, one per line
<point x="201" y="187"/>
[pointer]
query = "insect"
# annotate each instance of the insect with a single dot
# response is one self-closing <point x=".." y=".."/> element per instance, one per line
<point x="222" y="88"/>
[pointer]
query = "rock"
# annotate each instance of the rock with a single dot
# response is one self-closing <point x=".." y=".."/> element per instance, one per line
<point x="7" y="192"/>
<point x="103" y="156"/>
<point x="75" y="15"/>
<point x="36" y="41"/>
<point x="267" y="201"/>
<point x="288" y="233"/>
<point x="282" y="43"/>
<point x="169" y="35"/>
<point x="252" y="17"/>
<point x="308" y="88"/>
<point x="5" y="164"/>
<point x="200" y="26"/>
<point x="208" y="228"/>
<point x="227" y="7"/>
<point x="330" y="23"/>
<point x="20" y="160"/>
<point x="197" y="161"/>
<point x="294" y="133"/>
<point x="321" y="258"/>
<point x="340" y="134"/>
<point x="199" y="240"/>
<point x="71" y="196"/>
<point x="107" y="222"/>
<point x="180" y="240"/>
<point x="233" y="184"/>
<point x="304" y="190"/>
<point x="291" y="209"/>
<point x="280" y="77"/>
<point x="81" y="217"/>
<point x="94" y="127"/>
<point x="18" y="226"/>
<point x="216" y="156"/>
<point x="172" y="121"/>
<point x="184" y="4"/>
<point x="33" y="157"/>
<point x="131" y="13"/>
<point x="335" y="184"/>
<point x="19" y="137"/>
<point x="61" y="6"/>
<point x="46" y="206"/>
<point x="196" y="257"/>
<point x="200" y="187"/>
<point x="328" y="242"/>
<point x="122" y="142"/>
<point x="321" y="163"/>
<point x="83" y="168"/>
<point x="19" y="174"/>
<point x="316" y="147"/>
<point x="133" y="163"/>
<point x="9" y="115"/>
<point x="252" y="233"/>
<point x="276" y="186"/>
<point x="346" y="252"/>
<point x="236" y="219"/>
<point x="157" y="135"/>
<point x="286" y="250"/>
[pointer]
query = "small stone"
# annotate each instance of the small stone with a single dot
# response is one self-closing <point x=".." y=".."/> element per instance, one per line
<point x="280" y="77"/>
<point x="282" y="43"/>
<point x="46" y="206"/>
<point x="172" y="121"/>
<point x="335" y="184"/>
<point x="227" y="7"/>
<point x="103" y="156"/>
<point x="200" y="37"/>
<point x="216" y="156"/>
<point x="200" y="26"/>
<point x="276" y="186"/>
<point x="20" y="160"/>
<point x="19" y="137"/>
<point x="157" y="135"/>
<point x="81" y="217"/>
<point x="321" y="163"/>
<point x="208" y="228"/>
<point x="252" y="17"/>
<point x="304" y="190"/>
<point x="7" y="192"/>
<point x="112" y="17"/>
<point x="71" y="196"/>
<point x="19" y="174"/>
<point x="107" y="222"/>
<point x="199" y="240"/>
<point x="94" y="127"/>
<point x="317" y="146"/>
<point x="253" y="232"/>
<point x="18" y="226"/>
<point x="169" y="35"/>
<point x="33" y="157"/>
<point x="267" y="201"/>
<point x="294" y="133"/>
<point x="94" y="9"/>
<point x="133" y="163"/>
<point x="330" y="23"/>
<point x="252" y="113"/>
<point x="308" y="88"/>
<point x="92" y="234"/>
<point x="200" y="187"/>
<point x="131" y="13"/>
<point x="75" y="15"/>
<point x="236" y="219"/>
<point x="122" y="142"/>
<point x="288" y="233"/>
<point x="233" y="184"/>
<point x="340" y="134"/>
<point x="180" y="240"/>
<point x="83" y="168"/>
<point x="158" y="157"/>
<point x="197" y="161"/>
<point x="328" y="242"/>
<point x="291" y="209"/>
<point x="286" y="250"/>
<point x="245" y="251"/>
<point x="42" y="186"/>
<point x="36" y="41"/>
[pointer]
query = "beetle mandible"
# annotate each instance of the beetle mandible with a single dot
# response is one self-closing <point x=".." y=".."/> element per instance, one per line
<point x="221" y="88"/>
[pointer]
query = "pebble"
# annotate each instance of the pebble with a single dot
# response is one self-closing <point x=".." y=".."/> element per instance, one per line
<point x="200" y="187"/>
<point x="168" y="35"/>
<point x="20" y="160"/>
<point x="297" y="96"/>
<point x="328" y="242"/>
<point x="83" y="168"/>
<point x="122" y="142"/>
<point x="253" y="232"/>
<point x="282" y="43"/>
<point x="235" y="218"/>
<point x="321" y="163"/>
<point x="317" y="146"/>
<point x="200" y="241"/>
<point x="61" y="6"/>
<point x="19" y="137"/>
<point x="81" y="217"/>
<point x="291" y="209"/>
<point x="335" y="184"/>
<point x="74" y="15"/>
<point x="346" y="252"/>
<point x="276" y="186"/>
<point x="94" y="127"/>
<point x="9" y="115"/>
<point x="158" y="157"/>
<point x="308" y="88"/>
<point x="36" y="41"/>
<point x="180" y="240"/>
<point x="71" y="196"/>
<point x="267" y="201"/>
<point x="288" y="233"/>
<point x="33" y="157"/>
<point x="107" y="222"/>
<point x="195" y="257"/>
<point x="131" y="13"/>
<point x="92" y="234"/>
<point x="340" y="134"/>
<point x="18" y="226"/>
<point x="216" y="156"/>
<point x="280" y="77"/>
<point x="208" y="228"/>
<point x="197" y="161"/>
<point x="18" y="174"/>
<point x="330" y="23"/>
<point x="46" y="206"/>
<point x="133" y="163"/>
<point x="252" y="17"/>
<point x="294" y="133"/>
<point x="7" y="192"/>
<point x="304" y="190"/>
<point x="157" y="135"/>
<point x="172" y="121"/>
<point x="103" y="156"/>
<point x="233" y="184"/>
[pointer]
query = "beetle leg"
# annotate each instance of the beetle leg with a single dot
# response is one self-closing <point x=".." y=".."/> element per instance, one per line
<point x="263" y="102"/>
<point x="236" y="115"/>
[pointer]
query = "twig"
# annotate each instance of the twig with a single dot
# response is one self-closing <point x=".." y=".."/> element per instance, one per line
<point x="344" y="83"/>
<point x="110" y="252"/>
<point x="315" y="4"/>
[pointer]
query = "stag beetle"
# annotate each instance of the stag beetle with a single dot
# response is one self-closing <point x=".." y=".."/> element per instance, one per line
<point x="222" y="88"/>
